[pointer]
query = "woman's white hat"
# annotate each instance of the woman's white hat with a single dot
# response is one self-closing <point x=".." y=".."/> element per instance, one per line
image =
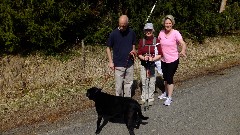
<point x="148" y="26"/>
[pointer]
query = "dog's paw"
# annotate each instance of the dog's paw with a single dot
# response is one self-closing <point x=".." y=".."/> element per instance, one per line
<point x="97" y="131"/>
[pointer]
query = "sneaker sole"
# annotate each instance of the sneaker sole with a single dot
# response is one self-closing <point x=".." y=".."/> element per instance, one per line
<point x="162" y="98"/>
<point x="168" y="103"/>
<point x="141" y="103"/>
<point x="150" y="104"/>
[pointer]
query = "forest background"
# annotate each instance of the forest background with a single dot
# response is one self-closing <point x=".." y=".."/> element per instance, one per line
<point x="51" y="51"/>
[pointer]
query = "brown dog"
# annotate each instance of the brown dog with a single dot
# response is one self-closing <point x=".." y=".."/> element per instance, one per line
<point x="110" y="106"/>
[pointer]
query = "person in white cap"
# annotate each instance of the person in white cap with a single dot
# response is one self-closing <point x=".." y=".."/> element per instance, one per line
<point x="170" y="39"/>
<point x="146" y="54"/>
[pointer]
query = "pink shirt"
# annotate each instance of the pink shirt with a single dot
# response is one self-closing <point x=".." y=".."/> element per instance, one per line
<point x="169" y="45"/>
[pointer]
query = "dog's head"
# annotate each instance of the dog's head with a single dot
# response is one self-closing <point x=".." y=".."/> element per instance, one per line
<point x="92" y="92"/>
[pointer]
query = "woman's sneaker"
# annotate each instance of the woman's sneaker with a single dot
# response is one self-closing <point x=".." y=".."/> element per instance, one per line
<point x="168" y="101"/>
<point x="163" y="96"/>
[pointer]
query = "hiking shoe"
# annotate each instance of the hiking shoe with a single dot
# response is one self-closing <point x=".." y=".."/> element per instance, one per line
<point x="150" y="99"/>
<point x="150" y="103"/>
<point x="163" y="96"/>
<point x="168" y="101"/>
<point x="141" y="102"/>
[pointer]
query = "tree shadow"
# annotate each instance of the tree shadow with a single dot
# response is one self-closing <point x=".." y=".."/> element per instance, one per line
<point x="134" y="87"/>
<point x="159" y="84"/>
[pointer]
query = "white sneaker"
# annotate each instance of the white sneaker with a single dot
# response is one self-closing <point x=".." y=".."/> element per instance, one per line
<point x="163" y="96"/>
<point x="141" y="102"/>
<point x="168" y="101"/>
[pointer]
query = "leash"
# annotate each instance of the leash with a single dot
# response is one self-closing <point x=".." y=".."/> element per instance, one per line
<point x="124" y="74"/>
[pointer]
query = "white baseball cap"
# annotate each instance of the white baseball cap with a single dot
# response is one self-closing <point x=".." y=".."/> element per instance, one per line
<point x="148" y="26"/>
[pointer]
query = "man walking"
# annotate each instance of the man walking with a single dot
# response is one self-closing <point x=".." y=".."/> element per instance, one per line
<point x="120" y="52"/>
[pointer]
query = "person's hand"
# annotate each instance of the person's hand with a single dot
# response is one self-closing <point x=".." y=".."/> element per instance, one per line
<point x="146" y="58"/>
<point x="133" y="53"/>
<point x="150" y="58"/>
<point x="183" y="54"/>
<point x="111" y="65"/>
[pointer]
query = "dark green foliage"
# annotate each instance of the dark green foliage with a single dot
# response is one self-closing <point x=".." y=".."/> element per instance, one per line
<point x="198" y="19"/>
<point x="52" y="25"/>
<point x="46" y="25"/>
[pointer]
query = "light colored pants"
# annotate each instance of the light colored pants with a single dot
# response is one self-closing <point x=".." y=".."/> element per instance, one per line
<point x="119" y="80"/>
<point x="148" y="84"/>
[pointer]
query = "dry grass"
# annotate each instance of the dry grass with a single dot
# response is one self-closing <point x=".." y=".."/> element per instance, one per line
<point x="214" y="54"/>
<point x="37" y="88"/>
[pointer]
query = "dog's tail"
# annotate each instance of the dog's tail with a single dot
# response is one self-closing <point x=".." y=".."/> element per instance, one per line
<point x="140" y="113"/>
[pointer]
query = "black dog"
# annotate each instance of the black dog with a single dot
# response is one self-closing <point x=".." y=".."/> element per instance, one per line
<point x="110" y="106"/>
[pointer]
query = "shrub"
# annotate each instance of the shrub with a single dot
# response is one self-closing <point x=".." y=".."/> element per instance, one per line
<point x="52" y="26"/>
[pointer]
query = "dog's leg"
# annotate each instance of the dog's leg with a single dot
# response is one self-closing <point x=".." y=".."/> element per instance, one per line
<point x="98" y="124"/>
<point x="131" y="129"/>
<point x="99" y="127"/>
<point x="138" y="120"/>
<point x="105" y="121"/>
<point x="130" y="123"/>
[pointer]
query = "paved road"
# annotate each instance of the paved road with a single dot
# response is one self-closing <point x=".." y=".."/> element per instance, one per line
<point x="209" y="105"/>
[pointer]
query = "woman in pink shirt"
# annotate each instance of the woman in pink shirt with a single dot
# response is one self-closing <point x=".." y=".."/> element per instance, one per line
<point x="170" y="39"/>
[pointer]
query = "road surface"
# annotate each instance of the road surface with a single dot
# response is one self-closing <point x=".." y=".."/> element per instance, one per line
<point x="208" y="105"/>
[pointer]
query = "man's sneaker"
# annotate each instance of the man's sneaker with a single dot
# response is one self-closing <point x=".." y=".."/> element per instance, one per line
<point x="141" y="102"/>
<point x="168" y="101"/>
<point x="163" y="96"/>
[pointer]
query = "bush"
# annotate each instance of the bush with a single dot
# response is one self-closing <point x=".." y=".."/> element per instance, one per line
<point x="52" y="26"/>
